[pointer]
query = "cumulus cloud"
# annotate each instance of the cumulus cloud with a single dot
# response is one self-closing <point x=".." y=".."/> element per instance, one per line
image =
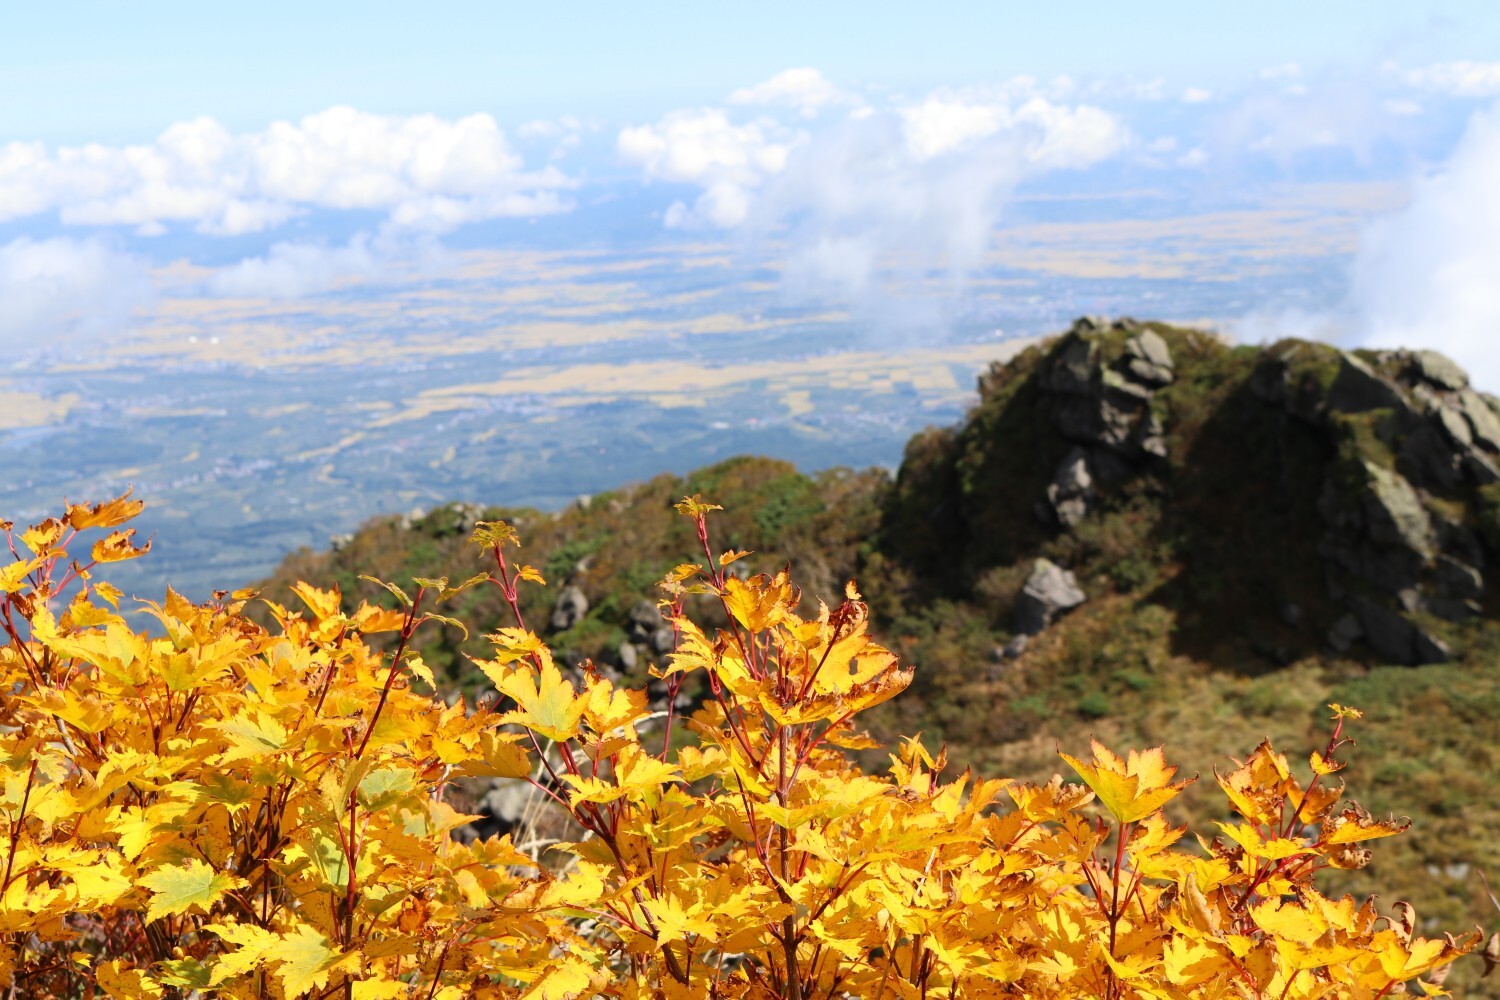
<point x="293" y="270"/>
<point x="1456" y="79"/>
<point x="422" y="170"/>
<point x="916" y="184"/>
<point x="63" y="292"/>
<point x="1429" y="275"/>
<point x="704" y="147"/>
<point x="803" y="89"/>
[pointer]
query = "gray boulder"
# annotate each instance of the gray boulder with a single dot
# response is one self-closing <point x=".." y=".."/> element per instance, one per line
<point x="1071" y="367"/>
<point x="1151" y="437"/>
<point x="1457" y="428"/>
<point x="1482" y="419"/>
<point x="1049" y="592"/>
<point x="570" y="608"/>
<point x="1072" y="489"/>
<point x="1149" y="359"/>
<point x="1439" y="371"/>
<point x="645" y="618"/>
<point x="1358" y="388"/>
<point x="1395" y="513"/>
<point x="501" y="808"/>
<point x="663" y="640"/>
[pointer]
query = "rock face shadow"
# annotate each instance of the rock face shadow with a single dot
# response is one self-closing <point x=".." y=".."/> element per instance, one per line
<point x="1281" y="502"/>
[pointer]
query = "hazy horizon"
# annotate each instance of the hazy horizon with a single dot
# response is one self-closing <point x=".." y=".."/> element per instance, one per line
<point x="307" y="248"/>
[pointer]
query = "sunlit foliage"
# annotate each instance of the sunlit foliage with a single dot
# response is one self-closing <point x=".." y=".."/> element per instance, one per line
<point x="210" y="808"/>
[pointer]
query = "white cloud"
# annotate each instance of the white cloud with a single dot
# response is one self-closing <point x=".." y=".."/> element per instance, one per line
<point x="1197" y="95"/>
<point x="803" y="89"/>
<point x="423" y="170"/>
<point x="1334" y="114"/>
<point x="62" y="292"/>
<point x="293" y="270"/>
<point x="1429" y="275"/>
<point x="912" y="184"/>
<point x="704" y="147"/>
<point x="1457" y="79"/>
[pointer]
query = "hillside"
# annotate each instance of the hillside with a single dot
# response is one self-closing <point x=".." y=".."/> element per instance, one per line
<point x="1139" y="532"/>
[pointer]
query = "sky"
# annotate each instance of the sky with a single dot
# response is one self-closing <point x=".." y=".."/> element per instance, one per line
<point x="276" y="150"/>
<point x="111" y="72"/>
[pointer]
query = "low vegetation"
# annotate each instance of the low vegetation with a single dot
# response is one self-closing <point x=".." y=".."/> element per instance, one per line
<point x="229" y="810"/>
<point x="1208" y="600"/>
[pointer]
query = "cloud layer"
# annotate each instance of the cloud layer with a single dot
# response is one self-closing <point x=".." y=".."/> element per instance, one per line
<point x="424" y="171"/>
<point x="913" y="184"/>
<point x="65" y="291"/>
<point x="1429" y="276"/>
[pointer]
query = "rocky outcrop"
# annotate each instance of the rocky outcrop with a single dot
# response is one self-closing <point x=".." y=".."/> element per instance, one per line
<point x="1103" y="406"/>
<point x="1049" y="592"/>
<point x="1414" y="442"/>
<point x="1409" y="443"/>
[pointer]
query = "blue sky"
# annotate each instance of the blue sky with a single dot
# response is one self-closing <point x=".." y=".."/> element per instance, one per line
<point x="112" y="72"/>
<point x="279" y="150"/>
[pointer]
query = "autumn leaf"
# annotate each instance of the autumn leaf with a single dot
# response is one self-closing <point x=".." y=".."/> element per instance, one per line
<point x="695" y="506"/>
<point x="306" y="958"/>
<point x="118" y="980"/>
<point x="179" y="889"/>
<point x="13" y="576"/>
<point x="253" y="945"/>
<point x="546" y="702"/>
<point x="322" y="603"/>
<point x="494" y="535"/>
<point x="251" y="736"/>
<point x="40" y="538"/>
<point x="1130" y="789"/>
<point x="108" y="514"/>
<point x="117" y="547"/>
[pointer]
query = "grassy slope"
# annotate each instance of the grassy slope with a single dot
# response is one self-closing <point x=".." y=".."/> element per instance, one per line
<point x="1184" y="566"/>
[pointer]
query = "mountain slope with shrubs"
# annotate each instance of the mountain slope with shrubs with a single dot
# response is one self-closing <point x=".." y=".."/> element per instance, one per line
<point x="1139" y="532"/>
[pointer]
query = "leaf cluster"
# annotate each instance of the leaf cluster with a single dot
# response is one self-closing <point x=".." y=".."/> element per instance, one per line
<point x="227" y="809"/>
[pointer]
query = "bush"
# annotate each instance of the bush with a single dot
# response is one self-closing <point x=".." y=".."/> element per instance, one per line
<point x="238" y="811"/>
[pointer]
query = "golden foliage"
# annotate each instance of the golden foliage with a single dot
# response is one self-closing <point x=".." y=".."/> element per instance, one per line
<point x="223" y="810"/>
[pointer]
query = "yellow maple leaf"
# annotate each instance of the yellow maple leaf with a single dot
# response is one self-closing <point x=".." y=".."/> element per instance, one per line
<point x="124" y="983"/>
<point x="307" y="958"/>
<point x="253" y="945"/>
<point x="13" y="577"/>
<point x="546" y="703"/>
<point x="40" y="538"/>
<point x="570" y="979"/>
<point x="1354" y="825"/>
<point x="117" y="547"/>
<point x="176" y="889"/>
<point x="323" y="604"/>
<point x="1133" y="788"/>
<point x="109" y="514"/>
